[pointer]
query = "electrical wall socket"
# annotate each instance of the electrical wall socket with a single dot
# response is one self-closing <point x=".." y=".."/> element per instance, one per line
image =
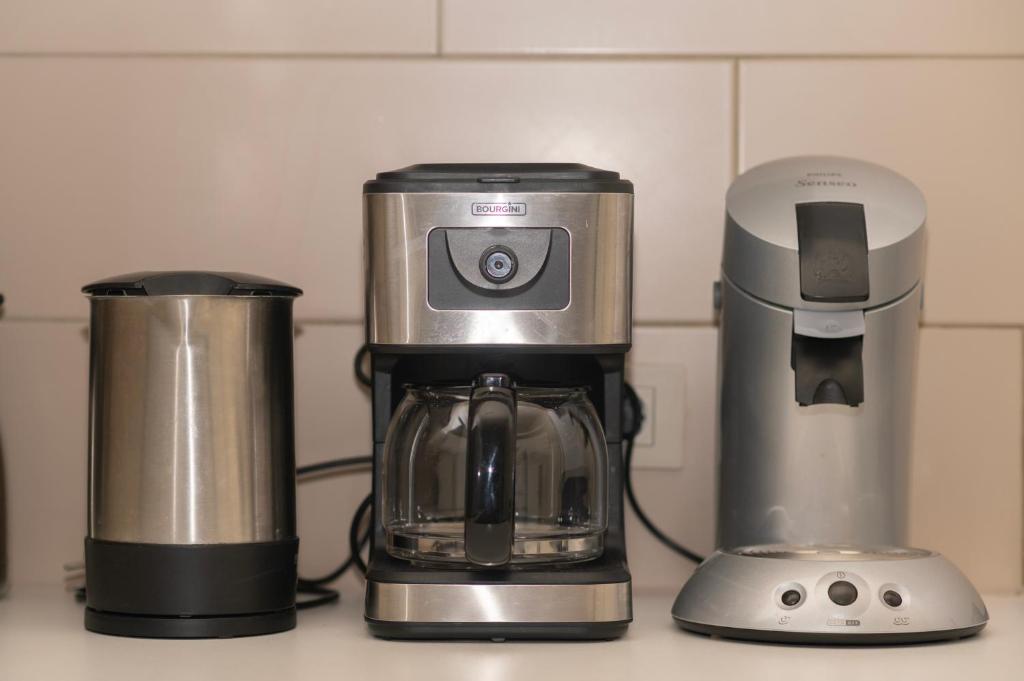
<point x="662" y="387"/>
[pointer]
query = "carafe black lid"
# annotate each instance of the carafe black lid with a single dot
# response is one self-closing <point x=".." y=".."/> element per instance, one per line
<point x="498" y="178"/>
<point x="189" y="283"/>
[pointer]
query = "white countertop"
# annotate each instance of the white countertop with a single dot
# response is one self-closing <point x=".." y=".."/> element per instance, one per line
<point x="41" y="637"/>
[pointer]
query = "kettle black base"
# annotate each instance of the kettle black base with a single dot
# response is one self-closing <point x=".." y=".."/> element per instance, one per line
<point x="190" y="591"/>
<point x="230" y="626"/>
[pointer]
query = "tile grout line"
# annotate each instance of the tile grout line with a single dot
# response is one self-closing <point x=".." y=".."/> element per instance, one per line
<point x="645" y="323"/>
<point x="975" y="326"/>
<point x="439" y="30"/>
<point x="736" y="92"/>
<point x="509" y="56"/>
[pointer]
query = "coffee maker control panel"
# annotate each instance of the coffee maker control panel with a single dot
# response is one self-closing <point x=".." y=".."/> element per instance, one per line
<point x="498" y="268"/>
<point x="513" y="255"/>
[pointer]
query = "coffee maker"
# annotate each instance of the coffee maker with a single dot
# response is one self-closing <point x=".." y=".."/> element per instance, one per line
<point x="819" y="304"/>
<point x="498" y="318"/>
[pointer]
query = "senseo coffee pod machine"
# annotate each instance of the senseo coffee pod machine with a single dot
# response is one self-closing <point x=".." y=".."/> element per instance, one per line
<point x="819" y="302"/>
<point x="498" y="318"/>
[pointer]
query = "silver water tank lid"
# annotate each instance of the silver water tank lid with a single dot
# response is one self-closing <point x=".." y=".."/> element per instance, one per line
<point x="824" y="232"/>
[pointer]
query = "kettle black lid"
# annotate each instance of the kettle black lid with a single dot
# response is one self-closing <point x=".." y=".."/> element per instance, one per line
<point x="498" y="178"/>
<point x="189" y="283"/>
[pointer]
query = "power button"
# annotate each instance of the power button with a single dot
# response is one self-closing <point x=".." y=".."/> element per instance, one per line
<point x="498" y="264"/>
<point x="842" y="592"/>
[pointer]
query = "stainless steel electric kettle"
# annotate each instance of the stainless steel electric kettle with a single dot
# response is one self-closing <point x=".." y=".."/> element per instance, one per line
<point x="191" y="456"/>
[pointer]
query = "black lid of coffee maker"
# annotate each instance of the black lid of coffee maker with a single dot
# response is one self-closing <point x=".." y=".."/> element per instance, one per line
<point x="498" y="178"/>
<point x="189" y="283"/>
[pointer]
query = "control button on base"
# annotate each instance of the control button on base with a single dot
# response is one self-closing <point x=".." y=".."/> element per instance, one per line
<point x="892" y="598"/>
<point x="842" y="593"/>
<point x="791" y="597"/>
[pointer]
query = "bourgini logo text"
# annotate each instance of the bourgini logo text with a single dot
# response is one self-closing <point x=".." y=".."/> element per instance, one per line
<point x="507" y="208"/>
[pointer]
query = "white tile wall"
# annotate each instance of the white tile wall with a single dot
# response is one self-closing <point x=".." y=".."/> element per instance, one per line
<point x="257" y="165"/>
<point x="733" y="27"/>
<point x="236" y="135"/>
<point x="44" y="375"/>
<point x="967" y="472"/>
<point x="332" y="420"/>
<point x="225" y="27"/>
<point x="680" y="501"/>
<point x="955" y="127"/>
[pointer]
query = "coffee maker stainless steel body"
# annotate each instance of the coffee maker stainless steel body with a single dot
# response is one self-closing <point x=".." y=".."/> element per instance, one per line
<point x="819" y="304"/>
<point x="191" y="525"/>
<point x="498" y="278"/>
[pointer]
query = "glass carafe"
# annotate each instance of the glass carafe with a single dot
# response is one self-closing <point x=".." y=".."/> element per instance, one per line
<point x="494" y="475"/>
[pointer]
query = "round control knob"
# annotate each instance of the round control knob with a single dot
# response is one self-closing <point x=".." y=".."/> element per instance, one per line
<point x="842" y="592"/>
<point x="892" y="598"/>
<point x="790" y="598"/>
<point x="498" y="264"/>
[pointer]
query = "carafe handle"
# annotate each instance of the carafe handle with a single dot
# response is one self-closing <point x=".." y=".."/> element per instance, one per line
<point x="490" y="471"/>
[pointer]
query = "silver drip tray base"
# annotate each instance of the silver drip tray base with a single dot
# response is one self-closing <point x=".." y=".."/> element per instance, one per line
<point x="830" y="594"/>
<point x="498" y="610"/>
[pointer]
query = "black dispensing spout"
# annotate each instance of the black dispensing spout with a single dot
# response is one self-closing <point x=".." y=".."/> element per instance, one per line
<point x="827" y="356"/>
<point x="828" y="370"/>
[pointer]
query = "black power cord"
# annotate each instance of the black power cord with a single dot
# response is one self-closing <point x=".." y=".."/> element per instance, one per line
<point x="357" y="365"/>
<point x="355" y="541"/>
<point x="333" y="465"/>
<point x="634" y="418"/>
<point x="322" y="596"/>
<point x="315" y="585"/>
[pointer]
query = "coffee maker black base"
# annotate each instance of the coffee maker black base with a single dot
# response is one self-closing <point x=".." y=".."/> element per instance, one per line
<point x="190" y="591"/>
<point x="464" y="631"/>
